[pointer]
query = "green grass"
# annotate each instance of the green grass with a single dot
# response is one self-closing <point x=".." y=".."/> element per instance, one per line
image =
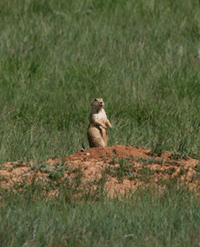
<point x="147" y="218"/>
<point x="143" y="58"/>
<point x="56" y="56"/>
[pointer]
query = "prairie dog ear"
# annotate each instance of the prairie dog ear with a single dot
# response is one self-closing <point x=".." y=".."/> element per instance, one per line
<point x="93" y="101"/>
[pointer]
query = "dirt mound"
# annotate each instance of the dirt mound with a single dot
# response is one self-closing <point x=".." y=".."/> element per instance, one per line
<point x="124" y="167"/>
<point x="100" y="152"/>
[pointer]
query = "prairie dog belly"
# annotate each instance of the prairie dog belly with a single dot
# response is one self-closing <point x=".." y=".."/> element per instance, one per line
<point x="101" y="115"/>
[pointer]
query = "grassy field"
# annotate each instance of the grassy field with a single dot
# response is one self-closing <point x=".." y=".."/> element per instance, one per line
<point x="142" y="58"/>
<point x="147" y="218"/>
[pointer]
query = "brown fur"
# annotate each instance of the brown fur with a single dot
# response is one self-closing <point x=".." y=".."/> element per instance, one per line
<point x="97" y="130"/>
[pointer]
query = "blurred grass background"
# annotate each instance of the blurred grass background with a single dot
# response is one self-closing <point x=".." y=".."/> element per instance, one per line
<point x="141" y="57"/>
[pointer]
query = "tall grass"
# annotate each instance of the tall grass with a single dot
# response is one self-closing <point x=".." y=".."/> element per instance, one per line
<point x="147" y="218"/>
<point x="142" y="57"/>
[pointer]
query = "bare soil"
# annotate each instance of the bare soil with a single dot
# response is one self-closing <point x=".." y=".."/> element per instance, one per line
<point x="144" y="168"/>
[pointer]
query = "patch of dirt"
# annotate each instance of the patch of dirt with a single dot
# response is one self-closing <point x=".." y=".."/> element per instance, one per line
<point x="125" y="168"/>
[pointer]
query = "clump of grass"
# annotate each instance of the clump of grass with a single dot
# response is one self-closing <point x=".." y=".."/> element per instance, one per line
<point x="59" y="164"/>
<point x="146" y="172"/>
<point x="197" y="167"/>
<point x="179" y="155"/>
<point x="57" y="173"/>
<point x="171" y="170"/>
<point x="157" y="146"/>
<point x="159" y="171"/>
<point x="146" y="161"/>
<point x="125" y="169"/>
<point x="3" y="178"/>
<point x="18" y="164"/>
<point x="114" y="160"/>
<point x="182" y="171"/>
<point x="44" y="167"/>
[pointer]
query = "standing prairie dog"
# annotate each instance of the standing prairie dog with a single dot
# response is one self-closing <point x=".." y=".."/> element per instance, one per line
<point x="97" y="130"/>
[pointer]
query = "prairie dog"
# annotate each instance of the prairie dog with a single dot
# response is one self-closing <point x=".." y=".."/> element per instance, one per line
<point x="97" y="129"/>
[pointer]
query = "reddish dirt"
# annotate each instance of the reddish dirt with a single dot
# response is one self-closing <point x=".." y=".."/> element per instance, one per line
<point x="93" y="161"/>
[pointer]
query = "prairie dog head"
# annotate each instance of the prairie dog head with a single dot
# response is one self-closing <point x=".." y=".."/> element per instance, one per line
<point x="97" y="103"/>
